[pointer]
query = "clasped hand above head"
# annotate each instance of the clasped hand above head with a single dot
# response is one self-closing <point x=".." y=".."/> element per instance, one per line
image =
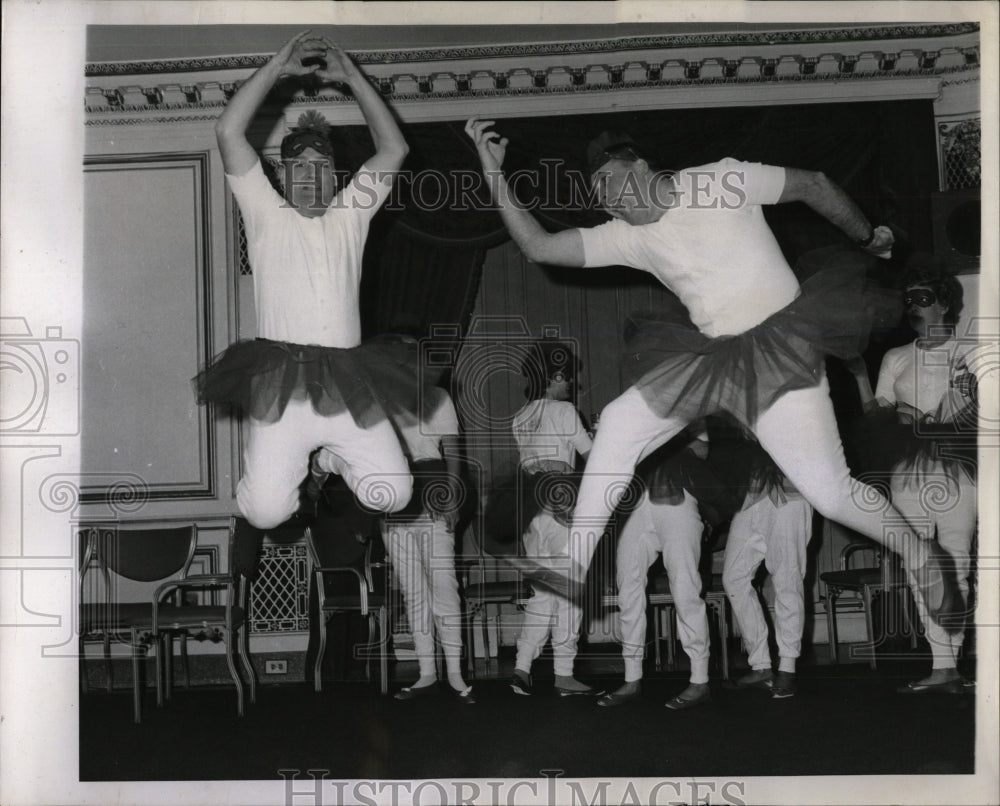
<point x="305" y="54"/>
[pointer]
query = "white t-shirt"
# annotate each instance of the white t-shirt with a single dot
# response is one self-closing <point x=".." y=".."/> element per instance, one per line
<point x="549" y="430"/>
<point x="921" y="378"/>
<point x="422" y="440"/>
<point x="714" y="250"/>
<point x="307" y="271"/>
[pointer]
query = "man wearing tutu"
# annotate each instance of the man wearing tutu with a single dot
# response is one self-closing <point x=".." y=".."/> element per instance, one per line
<point x="922" y="430"/>
<point x="304" y="383"/>
<point x="758" y="342"/>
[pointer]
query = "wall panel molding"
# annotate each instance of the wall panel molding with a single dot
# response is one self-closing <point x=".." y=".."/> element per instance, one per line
<point x="148" y="325"/>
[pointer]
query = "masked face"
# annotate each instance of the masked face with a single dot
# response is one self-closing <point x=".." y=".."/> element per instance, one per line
<point x="310" y="185"/>
<point x="923" y="309"/>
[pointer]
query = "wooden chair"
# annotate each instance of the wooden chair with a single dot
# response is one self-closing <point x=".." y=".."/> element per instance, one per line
<point x="229" y="620"/>
<point x="884" y="577"/>
<point x="479" y="596"/>
<point x="660" y="599"/>
<point x="140" y="554"/>
<point x="369" y="599"/>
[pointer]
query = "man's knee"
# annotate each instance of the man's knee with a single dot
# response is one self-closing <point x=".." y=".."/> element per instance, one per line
<point x="387" y="493"/>
<point x="265" y="512"/>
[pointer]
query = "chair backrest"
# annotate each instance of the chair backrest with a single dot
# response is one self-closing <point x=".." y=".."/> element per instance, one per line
<point x="146" y="554"/>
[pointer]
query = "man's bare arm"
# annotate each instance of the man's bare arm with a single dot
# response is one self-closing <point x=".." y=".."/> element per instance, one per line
<point x="829" y="200"/>
<point x="390" y="146"/>
<point x="558" y="249"/>
<point x="238" y="156"/>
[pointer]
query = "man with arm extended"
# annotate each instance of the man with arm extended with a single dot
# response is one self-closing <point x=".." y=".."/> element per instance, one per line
<point x="757" y="346"/>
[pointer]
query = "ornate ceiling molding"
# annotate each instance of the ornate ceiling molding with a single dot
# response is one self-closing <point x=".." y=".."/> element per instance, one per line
<point x="669" y="42"/>
<point x="730" y="68"/>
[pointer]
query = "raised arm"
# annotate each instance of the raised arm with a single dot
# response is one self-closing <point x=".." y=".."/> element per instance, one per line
<point x="390" y="147"/>
<point x="558" y="249"/>
<point x="829" y="200"/>
<point x="238" y="156"/>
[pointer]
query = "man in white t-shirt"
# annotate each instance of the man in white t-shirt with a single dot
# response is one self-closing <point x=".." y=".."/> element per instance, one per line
<point x="550" y="436"/>
<point x="305" y="251"/>
<point x="702" y="233"/>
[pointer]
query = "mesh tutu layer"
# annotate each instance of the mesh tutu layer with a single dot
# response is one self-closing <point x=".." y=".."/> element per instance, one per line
<point x="878" y="446"/>
<point x="682" y="372"/>
<point x="371" y="381"/>
<point x="516" y="499"/>
<point x="668" y="477"/>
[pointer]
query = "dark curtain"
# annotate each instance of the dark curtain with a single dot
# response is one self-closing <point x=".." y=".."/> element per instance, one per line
<point x="411" y="282"/>
<point x="424" y="256"/>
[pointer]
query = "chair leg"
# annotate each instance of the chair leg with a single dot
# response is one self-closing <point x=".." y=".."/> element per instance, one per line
<point x="372" y="616"/>
<point x="231" y="663"/>
<point x="657" y="657"/>
<point x="470" y="645"/>
<point x="244" y="650"/>
<point x="168" y="665"/>
<point x="184" y="660"/>
<point x="136" y="680"/>
<point x="108" y="671"/>
<point x="484" y="612"/>
<point x="869" y="625"/>
<point x="383" y="648"/>
<point x="723" y="637"/>
<point x="831" y="623"/>
<point x="671" y="632"/>
<point x="81" y="654"/>
<point x="320" y="651"/>
<point x="164" y="648"/>
<point x="904" y="607"/>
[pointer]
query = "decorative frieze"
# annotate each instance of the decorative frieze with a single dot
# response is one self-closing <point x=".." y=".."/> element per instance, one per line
<point x="168" y="88"/>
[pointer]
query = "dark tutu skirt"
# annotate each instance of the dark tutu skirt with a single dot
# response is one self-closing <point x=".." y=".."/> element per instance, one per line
<point x="878" y="446"/>
<point x="516" y="499"/>
<point x="682" y="372"/>
<point x="371" y="381"/>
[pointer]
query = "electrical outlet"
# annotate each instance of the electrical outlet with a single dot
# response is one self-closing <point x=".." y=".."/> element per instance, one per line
<point x="276" y="667"/>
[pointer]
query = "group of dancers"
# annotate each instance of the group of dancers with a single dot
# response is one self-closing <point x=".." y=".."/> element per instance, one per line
<point x="747" y="341"/>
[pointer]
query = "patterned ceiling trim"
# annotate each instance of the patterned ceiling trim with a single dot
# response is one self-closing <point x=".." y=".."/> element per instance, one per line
<point x="822" y="35"/>
<point x="103" y="102"/>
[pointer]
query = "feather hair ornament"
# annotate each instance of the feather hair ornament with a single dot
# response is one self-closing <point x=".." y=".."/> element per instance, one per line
<point x="312" y="120"/>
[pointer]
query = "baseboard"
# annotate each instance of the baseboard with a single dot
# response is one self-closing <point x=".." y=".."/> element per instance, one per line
<point x="203" y="670"/>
